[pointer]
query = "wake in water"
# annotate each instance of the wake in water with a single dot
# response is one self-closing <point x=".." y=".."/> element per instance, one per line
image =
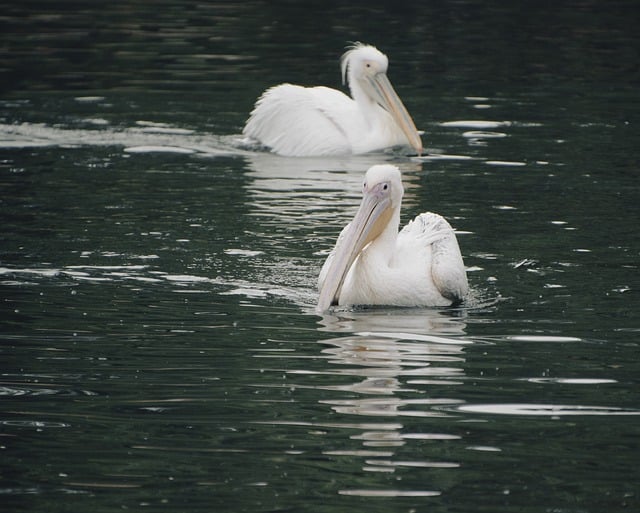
<point x="144" y="137"/>
<point x="153" y="137"/>
<point x="145" y="274"/>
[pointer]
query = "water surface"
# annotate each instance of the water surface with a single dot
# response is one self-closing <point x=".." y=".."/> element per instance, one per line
<point x="159" y="344"/>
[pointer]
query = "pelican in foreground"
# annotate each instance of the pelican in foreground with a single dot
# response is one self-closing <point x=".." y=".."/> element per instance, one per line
<point x="299" y="121"/>
<point x="373" y="264"/>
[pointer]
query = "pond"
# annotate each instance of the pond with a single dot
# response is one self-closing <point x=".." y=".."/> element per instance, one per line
<point x="160" y="345"/>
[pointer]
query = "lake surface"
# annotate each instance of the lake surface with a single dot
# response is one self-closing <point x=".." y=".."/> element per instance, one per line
<point x="159" y="345"/>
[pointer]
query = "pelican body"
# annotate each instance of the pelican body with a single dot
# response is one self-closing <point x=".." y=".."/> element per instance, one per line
<point x="373" y="264"/>
<point x="293" y="120"/>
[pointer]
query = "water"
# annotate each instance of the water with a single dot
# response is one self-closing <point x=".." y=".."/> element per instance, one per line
<point x="160" y="348"/>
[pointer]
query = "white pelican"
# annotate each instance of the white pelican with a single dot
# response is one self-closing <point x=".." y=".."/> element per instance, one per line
<point x="299" y="121"/>
<point x="373" y="264"/>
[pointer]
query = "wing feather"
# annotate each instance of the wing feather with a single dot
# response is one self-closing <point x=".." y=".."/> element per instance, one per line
<point x="296" y="121"/>
<point x="447" y="267"/>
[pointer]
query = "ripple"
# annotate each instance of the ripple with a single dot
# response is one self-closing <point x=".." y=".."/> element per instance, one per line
<point x="429" y="436"/>
<point x="146" y="137"/>
<point x="442" y="156"/>
<point x="391" y="406"/>
<point x="383" y="426"/>
<point x="477" y="124"/>
<point x="242" y="252"/>
<point x="158" y="149"/>
<point x="505" y="163"/>
<point x="185" y="278"/>
<point x="89" y="99"/>
<point x="415" y="464"/>
<point x="416" y="336"/>
<point x="483" y="134"/>
<point x="47" y="273"/>
<point x="545" y="410"/>
<point x="362" y="453"/>
<point x="572" y="381"/>
<point x="14" y="391"/>
<point x="389" y="493"/>
<point x="34" y="423"/>
<point x="543" y="338"/>
<point x="484" y="448"/>
<point x="161" y="128"/>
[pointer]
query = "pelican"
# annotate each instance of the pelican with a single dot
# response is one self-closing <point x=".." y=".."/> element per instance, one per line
<point x="373" y="264"/>
<point x="299" y="121"/>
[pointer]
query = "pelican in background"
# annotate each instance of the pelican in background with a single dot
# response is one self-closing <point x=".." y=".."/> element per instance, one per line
<point x="373" y="264"/>
<point x="299" y="121"/>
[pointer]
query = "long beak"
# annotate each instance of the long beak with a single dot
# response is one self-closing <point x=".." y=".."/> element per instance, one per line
<point x="390" y="101"/>
<point x="372" y="217"/>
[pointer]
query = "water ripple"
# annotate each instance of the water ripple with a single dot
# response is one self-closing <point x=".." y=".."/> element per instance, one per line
<point x="546" y="410"/>
<point x="389" y="493"/>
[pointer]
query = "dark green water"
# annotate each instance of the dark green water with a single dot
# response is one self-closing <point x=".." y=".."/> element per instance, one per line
<point x="159" y="347"/>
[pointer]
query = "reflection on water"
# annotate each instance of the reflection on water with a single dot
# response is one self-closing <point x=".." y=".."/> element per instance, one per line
<point x="384" y="360"/>
<point x="406" y="370"/>
<point x="425" y="324"/>
<point x="385" y="374"/>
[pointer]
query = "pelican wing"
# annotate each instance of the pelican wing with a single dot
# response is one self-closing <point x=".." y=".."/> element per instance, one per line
<point x="297" y="121"/>
<point x="447" y="267"/>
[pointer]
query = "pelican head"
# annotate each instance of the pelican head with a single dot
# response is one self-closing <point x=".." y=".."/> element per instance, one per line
<point x="364" y="67"/>
<point x="378" y="214"/>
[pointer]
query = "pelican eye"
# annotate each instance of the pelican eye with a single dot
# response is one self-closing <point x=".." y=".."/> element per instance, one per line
<point x="385" y="187"/>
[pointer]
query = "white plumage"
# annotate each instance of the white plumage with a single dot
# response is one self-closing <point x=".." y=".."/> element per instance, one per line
<point x="373" y="264"/>
<point x="293" y="120"/>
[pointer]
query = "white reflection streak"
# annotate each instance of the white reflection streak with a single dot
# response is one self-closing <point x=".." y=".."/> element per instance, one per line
<point x="381" y="361"/>
<point x="547" y="410"/>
